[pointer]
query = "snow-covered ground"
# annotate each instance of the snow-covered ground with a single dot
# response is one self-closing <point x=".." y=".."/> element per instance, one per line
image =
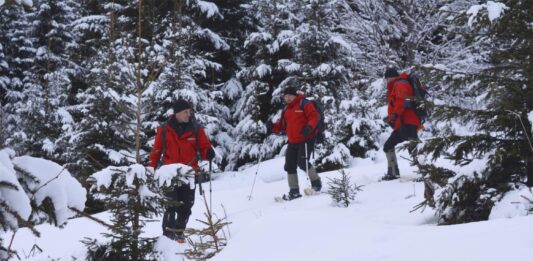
<point x="378" y="226"/>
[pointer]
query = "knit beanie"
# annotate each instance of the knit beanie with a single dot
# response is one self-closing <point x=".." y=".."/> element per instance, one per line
<point x="181" y="105"/>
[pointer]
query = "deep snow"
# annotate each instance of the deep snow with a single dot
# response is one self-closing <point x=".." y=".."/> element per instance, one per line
<point x="377" y="226"/>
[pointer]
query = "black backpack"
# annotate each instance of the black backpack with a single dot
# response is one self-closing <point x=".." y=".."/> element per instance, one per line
<point x="419" y="103"/>
<point x="321" y="125"/>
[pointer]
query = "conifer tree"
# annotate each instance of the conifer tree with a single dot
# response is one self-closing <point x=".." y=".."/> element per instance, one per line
<point x="488" y="96"/>
<point x="268" y="66"/>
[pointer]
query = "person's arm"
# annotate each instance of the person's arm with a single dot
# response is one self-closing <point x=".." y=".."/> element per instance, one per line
<point x="312" y="115"/>
<point x="278" y="126"/>
<point x="402" y="92"/>
<point x="155" y="155"/>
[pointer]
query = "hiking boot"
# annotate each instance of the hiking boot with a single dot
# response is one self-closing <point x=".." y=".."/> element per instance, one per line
<point x="180" y="238"/>
<point x="391" y="175"/>
<point x="293" y="194"/>
<point x="316" y="185"/>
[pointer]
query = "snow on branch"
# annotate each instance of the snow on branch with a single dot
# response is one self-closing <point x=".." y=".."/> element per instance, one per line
<point x="494" y="11"/>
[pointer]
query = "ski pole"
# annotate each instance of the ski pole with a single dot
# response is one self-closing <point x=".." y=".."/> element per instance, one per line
<point x="306" y="163"/>
<point x="197" y="180"/>
<point x="253" y="184"/>
<point x="210" y="189"/>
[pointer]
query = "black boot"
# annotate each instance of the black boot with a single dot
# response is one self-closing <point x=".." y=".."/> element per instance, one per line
<point x="391" y="175"/>
<point x="316" y="185"/>
<point x="293" y="194"/>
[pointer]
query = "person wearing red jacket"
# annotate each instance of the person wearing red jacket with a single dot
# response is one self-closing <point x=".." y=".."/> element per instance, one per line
<point x="401" y="117"/>
<point x="298" y="121"/>
<point x="185" y="143"/>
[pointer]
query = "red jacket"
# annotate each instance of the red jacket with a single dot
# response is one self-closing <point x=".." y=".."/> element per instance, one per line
<point x="180" y="149"/>
<point x="398" y="90"/>
<point x="293" y="119"/>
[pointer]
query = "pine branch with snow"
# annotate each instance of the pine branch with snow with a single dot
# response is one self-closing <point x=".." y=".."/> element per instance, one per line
<point x="35" y="191"/>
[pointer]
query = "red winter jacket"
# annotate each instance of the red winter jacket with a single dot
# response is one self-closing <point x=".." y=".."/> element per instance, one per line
<point x="180" y="149"/>
<point x="293" y="119"/>
<point x="398" y="90"/>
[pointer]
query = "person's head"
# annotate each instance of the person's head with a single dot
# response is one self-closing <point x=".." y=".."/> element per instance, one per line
<point x="390" y="74"/>
<point x="289" y="94"/>
<point x="182" y="110"/>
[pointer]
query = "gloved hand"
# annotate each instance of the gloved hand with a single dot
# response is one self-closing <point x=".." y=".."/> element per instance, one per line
<point x="306" y="130"/>
<point x="394" y="118"/>
<point x="198" y="178"/>
<point x="211" y="153"/>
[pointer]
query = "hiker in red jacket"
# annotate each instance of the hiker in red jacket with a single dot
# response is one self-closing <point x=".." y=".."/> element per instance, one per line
<point x="298" y="121"/>
<point x="401" y="117"/>
<point x="180" y="140"/>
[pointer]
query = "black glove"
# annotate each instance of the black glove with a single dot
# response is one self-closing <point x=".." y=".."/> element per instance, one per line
<point x="198" y="178"/>
<point x="210" y="153"/>
<point x="306" y="130"/>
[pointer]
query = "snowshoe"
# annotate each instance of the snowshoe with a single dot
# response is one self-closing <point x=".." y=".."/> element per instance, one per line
<point x="311" y="191"/>
<point x="389" y="177"/>
<point x="293" y="194"/>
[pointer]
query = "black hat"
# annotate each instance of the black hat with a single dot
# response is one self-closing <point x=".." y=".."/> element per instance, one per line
<point x="181" y="105"/>
<point x="391" y="72"/>
<point x="289" y="90"/>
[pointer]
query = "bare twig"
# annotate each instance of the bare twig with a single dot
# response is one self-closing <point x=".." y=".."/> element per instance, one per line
<point x="97" y="220"/>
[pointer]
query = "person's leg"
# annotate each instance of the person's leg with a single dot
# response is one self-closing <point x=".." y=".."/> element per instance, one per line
<point x="185" y="195"/>
<point x="170" y="215"/>
<point x="305" y="165"/>
<point x="291" y="157"/>
<point x="390" y="152"/>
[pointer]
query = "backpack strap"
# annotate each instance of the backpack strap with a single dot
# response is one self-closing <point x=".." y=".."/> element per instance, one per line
<point x="197" y="145"/>
<point x="164" y="150"/>
<point x="304" y="102"/>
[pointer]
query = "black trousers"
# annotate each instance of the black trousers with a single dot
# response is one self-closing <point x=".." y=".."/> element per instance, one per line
<point x="295" y="156"/>
<point x="176" y="217"/>
<point x="405" y="132"/>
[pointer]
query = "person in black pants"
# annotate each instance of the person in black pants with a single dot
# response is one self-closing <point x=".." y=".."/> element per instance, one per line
<point x="176" y="217"/>
<point x="401" y="117"/>
<point x="180" y="140"/>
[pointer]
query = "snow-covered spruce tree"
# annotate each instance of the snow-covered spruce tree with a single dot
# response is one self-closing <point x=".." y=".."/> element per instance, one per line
<point x="490" y="99"/>
<point x="25" y="3"/>
<point x="45" y="120"/>
<point x="342" y="190"/>
<point x="34" y="191"/>
<point x="119" y="99"/>
<point x="132" y="196"/>
<point x="267" y="65"/>
<point x="18" y="55"/>
<point x="197" y="74"/>
<point x="325" y="69"/>
<point x="127" y="95"/>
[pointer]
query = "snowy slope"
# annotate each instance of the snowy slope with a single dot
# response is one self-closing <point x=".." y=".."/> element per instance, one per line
<point x="378" y="226"/>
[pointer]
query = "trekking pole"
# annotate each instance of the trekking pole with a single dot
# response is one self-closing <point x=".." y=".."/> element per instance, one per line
<point x="197" y="178"/>
<point x="210" y="189"/>
<point x="306" y="163"/>
<point x="253" y="184"/>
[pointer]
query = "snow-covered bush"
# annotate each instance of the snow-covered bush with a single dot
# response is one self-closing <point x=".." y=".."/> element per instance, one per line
<point x="34" y="191"/>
